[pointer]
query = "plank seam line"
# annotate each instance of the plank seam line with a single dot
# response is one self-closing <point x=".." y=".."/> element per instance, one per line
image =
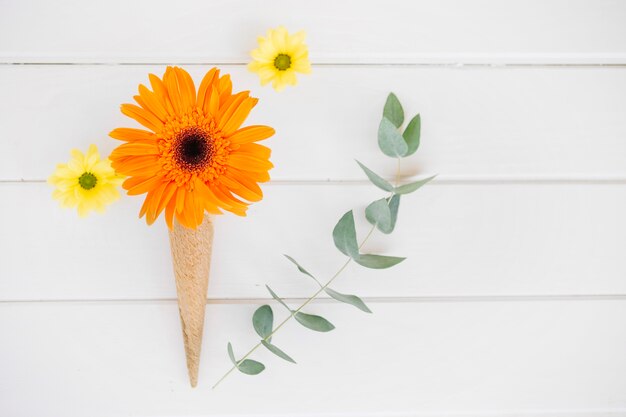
<point x="373" y="300"/>
<point x="494" y="65"/>
<point x="441" y="180"/>
<point x="586" y="412"/>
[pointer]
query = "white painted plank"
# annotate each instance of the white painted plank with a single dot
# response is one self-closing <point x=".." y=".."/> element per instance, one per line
<point x="459" y="239"/>
<point x="347" y="31"/>
<point x="482" y="123"/>
<point x="472" y="359"/>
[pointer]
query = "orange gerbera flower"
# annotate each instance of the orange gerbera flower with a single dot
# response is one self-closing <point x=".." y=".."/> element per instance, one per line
<point x="196" y="156"/>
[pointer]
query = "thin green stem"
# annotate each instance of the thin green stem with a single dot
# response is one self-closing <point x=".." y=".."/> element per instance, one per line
<point x="398" y="173"/>
<point x="229" y="372"/>
<point x="318" y="292"/>
<point x="294" y="312"/>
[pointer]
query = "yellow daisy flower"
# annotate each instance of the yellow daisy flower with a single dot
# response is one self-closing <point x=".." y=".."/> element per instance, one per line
<point x="86" y="182"/>
<point x="279" y="56"/>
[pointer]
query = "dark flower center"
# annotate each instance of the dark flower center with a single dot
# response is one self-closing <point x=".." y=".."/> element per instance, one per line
<point x="87" y="181"/>
<point x="193" y="149"/>
<point x="282" y="62"/>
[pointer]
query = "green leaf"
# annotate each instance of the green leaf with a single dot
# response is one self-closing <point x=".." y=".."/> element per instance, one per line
<point x="394" y="205"/>
<point x="390" y="141"/>
<point x="376" y="179"/>
<point x="348" y="299"/>
<point x="411" y="135"/>
<point x="250" y="367"/>
<point x="344" y="235"/>
<point x="414" y="186"/>
<point x="378" y="261"/>
<point x="277" y="298"/>
<point x="317" y="323"/>
<point x="263" y="321"/>
<point x="379" y="215"/>
<point x="300" y="268"/>
<point x="247" y="366"/>
<point x="393" y="110"/>
<point x="276" y="351"/>
<point x="231" y="354"/>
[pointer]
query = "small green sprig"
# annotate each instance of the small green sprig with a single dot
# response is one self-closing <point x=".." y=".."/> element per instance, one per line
<point x="381" y="214"/>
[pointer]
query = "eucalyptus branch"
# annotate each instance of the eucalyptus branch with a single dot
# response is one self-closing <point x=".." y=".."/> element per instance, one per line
<point x="305" y="303"/>
<point x="382" y="214"/>
<point x="294" y="312"/>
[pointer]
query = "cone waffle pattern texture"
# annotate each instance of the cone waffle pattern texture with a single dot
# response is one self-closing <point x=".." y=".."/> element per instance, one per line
<point x="191" y="256"/>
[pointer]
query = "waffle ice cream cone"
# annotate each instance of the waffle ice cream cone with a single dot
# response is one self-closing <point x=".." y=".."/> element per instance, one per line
<point x="191" y="256"/>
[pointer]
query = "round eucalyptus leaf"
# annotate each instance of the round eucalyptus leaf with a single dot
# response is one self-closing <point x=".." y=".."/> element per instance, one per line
<point x="411" y="135"/>
<point x="376" y="179"/>
<point x="263" y="321"/>
<point x="393" y="110"/>
<point x="378" y="261"/>
<point x="379" y="215"/>
<point x="411" y="187"/>
<point x="251" y="367"/>
<point x="231" y="355"/>
<point x="278" y="352"/>
<point x="348" y="299"/>
<point x="344" y="235"/>
<point x="394" y="205"/>
<point x="317" y="323"/>
<point x="276" y="297"/>
<point x="390" y="141"/>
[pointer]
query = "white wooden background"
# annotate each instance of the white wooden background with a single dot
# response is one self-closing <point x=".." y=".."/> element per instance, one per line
<point x="512" y="301"/>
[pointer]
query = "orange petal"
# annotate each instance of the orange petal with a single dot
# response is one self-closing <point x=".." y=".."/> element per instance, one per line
<point x="204" y="91"/>
<point x="199" y="206"/>
<point x="233" y="122"/>
<point x="249" y="163"/>
<point x="136" y="188"/>
<point x="133" y="181"/>
<point x="143" y="116"/>
<point x="247" y="194"/>
<point x="171" y="83"/>
<point x="190" y="210"/>
<point x="214" y="102"/>
<point x="180" y="199"/>
<point x="137" y="165"/>
<point x="252" y="193"/>
<point x="251" y="188"/>
<point x="169" y="212"/>
<point x="187" y="89"/>
<point x="146" y="203"/>
<point x="152" y="102"/>
<point x="129" y="134"/>
<point x="168" y="193"/>
<point x="235" y="205"/>
<point x="261" y="176"/>
<point x="228" y="182"/>
<point x="228" y="107"/>
<point x="251" y="134"/>
<point x="225" y="88"/>
<point x="181" y="209"/>
<point x="256" y="150"/>
<point x="182" y="219"/>
<point x="134" y="148"/>
<point x="210" y="202"/>
<point x="153" y="212"/>
<point x="160" y="92"/>
<point x="221" y="199"/>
